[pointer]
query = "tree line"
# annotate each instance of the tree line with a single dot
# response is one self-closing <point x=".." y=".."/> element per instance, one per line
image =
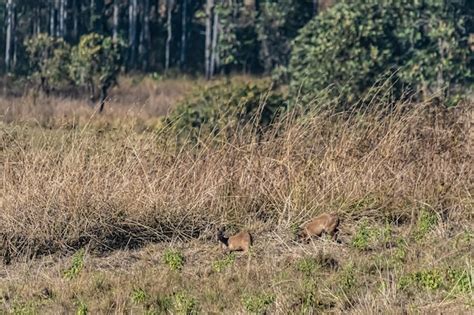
<point x="193" y="36"/>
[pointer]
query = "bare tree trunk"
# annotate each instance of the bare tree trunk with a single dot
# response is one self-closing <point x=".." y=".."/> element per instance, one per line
<point x="92" y="15"/>
<point x="62" y="18"/>
<point x="132" y="31"/>
<point x="52" y="19"/>
<point x="9" y="35"/>
<point x="75" y="23"/>
<point x="315" y="7"/>
<point x="37" y="22"/>
<point x="145" y="40"/>
<point x="214" y="52"/>
<point x="208" y="44"/>
<point x="116" y="17"/>
<point x="184" y="15"/>
<point x="169" y="9"/>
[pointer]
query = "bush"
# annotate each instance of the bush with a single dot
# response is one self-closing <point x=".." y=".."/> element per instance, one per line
<point x="96" y="64"/>
<point x="222" y="109"/>
<point x="411" y="45"/>
<point x="49" y="60"/>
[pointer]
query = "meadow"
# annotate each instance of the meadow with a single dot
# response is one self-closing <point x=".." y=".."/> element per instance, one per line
<point x="108" y="213"/>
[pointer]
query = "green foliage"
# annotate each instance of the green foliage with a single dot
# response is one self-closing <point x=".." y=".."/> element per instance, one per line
<point x="257" y="304"/>
<point x="82" y="308"/>
<point x="347" y="278"/>
<point x="307" y="266"/>
<point x="460" y="280"/>
<point x="95" y="62"/>
<point x="363" y="237"/>
<point x="225" y="108"/>
<point x="173" y="259"/>
<point x="184" y="304"/>
<point x="455" y="280"/>
<point x="77" y="265"/>
<point x="138" y="295"/>
<point x="222" y="264"/>
<point x="356" y="44"/>
<point x="49" y="60"/>
<point x="426" y="221"/>
<point x="277" y="24"/>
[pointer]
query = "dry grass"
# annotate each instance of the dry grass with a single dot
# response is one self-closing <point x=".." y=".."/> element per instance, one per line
<point x="115" y="182"/>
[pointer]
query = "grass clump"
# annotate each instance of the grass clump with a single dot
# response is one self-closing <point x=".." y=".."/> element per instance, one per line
<point x="222" y="264"/>
<point x="427" y="220"/>
<point x="307" y="266"/>
<point x="77" y="264"/>
<point x="257" y="304"/>
<point x="82" y="308"/>
<point x="139" y="295"/>
<point x="184" y="304"/>
<point x="173" y="259"/>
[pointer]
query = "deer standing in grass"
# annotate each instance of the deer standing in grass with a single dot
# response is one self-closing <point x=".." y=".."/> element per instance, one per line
<point x="324" y="223"/>
<point x="238" y="242"/>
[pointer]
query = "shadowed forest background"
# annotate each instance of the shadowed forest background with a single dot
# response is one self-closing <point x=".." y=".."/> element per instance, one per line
<point x="131" y="131"/>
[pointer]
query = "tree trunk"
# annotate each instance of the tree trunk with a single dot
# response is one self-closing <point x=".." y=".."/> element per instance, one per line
<point x="62" y="18"/>
<point x="315" y="7"/>
<point x="169" y="10"/>
<point x="116" y="17"/>
<point x="92" y="16"/>
<point x="182" y="55"/>
<point x="145" y="40"/>
<point x="208" y="44"/>
<point x="132" y="31"/>
<point x="37" y="23"/>
<point x="52" y="19"/>
<point x="9" y="34"/>
<point x="214" y="53"/>
<point x="75" y="23"/>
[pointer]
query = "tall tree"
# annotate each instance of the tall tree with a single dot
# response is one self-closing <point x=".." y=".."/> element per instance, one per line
<point x="9" y="35"/>
<point x="184" y="17"/>
<point x="169" y="32"/>
<point x="214" y="49"/>
<point x="116" y="20"/>
<point x="145" y="40"/>
<point x="62" y="18"/>
<point x="52" y="18"/>
<point x="208" y="44"/>
<point x="132" y="31"/>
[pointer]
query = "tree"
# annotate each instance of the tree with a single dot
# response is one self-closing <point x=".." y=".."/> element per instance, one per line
<point x="96" y="63"/>
<point x="9" y="34"/>
<point x="169" y="32"/>
<point x="352" y="46"/>
<point x="49" y="60"/>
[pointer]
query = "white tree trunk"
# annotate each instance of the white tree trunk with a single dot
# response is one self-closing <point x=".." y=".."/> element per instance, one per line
<point x="62" y="18"/>
<point x="169" y="9"/>
<point x="215" y="53"/>
<point x="182" y="55"/>
<point x="132" y="30"/>
<point x="208" y="44"/>
<point x="116" y="19"/>
<point x="9" y="34"/>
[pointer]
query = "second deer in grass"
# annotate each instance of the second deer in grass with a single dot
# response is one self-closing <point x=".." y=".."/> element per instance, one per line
<point x="238" y="242"/>
<point x="324" y="223"/>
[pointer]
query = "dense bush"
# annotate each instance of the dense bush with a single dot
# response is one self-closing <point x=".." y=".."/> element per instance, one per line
<point x="416" y="46"/>
<point x="223" y="108"/>
<point x="49" y="60"/>
<point x="95" y="63"/>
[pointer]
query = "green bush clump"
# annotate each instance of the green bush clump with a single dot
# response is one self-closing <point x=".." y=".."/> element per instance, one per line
<point x="224" y="108"/>
<point x="417" y="46"/>
<point x="173" y="259"/>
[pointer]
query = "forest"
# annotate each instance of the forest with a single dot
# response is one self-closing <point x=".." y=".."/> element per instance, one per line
<point x="137" y="137"/>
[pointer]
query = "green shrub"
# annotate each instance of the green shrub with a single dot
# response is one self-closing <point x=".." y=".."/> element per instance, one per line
<point x="139" y="295"/>
<point x="307" y="266"/>
<point x="426" y="222"/>
<point x="355" y="44"/>
<point x="257" y="304"/>
<point x="77" y="265"/>
<point x="49" y="60"/>
<point x="173" y="259"/>
<point x="95" y="64"/>
<point x="184" y="304"/>
<point x="223" y="109"/>
<point x="222" y="264"/>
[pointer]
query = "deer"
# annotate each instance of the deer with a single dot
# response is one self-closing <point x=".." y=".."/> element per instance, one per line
<point x="324" y="223"/>
<point x="238" y="242"/>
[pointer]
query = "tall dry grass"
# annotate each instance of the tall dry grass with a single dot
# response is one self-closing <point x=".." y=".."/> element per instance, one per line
<point x="64" y="187"/>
